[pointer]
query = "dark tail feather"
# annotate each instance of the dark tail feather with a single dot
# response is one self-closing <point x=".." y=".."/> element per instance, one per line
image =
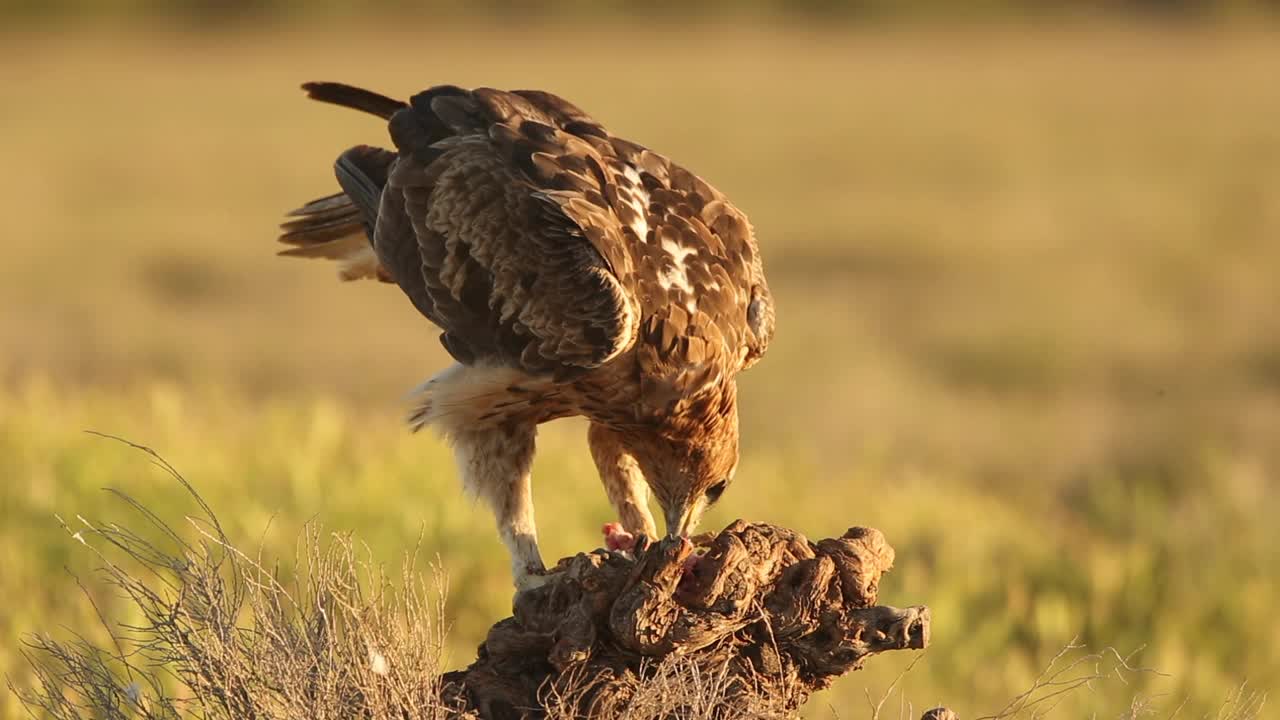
<point x="353" y="97"/>
<point x="332" y="228"/>
<point x="320" y="221"/>
<point x="340" y="226"/>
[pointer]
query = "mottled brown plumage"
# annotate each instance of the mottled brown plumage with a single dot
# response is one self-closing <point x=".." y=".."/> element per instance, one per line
<point x="572" y="273"/>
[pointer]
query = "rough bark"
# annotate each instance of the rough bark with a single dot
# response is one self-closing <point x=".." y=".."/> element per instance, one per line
<point x="775" y="616"/>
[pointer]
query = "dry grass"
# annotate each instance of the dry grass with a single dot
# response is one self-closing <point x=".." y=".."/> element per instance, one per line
<point x="224" y="634"/>
<point x="676" y="687"/>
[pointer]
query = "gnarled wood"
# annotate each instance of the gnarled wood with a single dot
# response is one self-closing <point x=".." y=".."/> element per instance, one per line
<point x="775" y="616"/>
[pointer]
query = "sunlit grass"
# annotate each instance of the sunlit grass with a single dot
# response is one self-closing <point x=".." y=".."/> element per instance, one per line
<point x="1008" y="584"/>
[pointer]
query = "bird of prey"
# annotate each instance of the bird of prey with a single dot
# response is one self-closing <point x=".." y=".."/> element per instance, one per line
<point x="572" y="272"/>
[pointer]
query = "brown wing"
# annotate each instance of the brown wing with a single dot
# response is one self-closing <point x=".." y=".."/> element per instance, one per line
<point x="535" y="239"/>
<point x="514" y="275"/>
<point x="685" y="256"/>
<point x="706" y="312"/>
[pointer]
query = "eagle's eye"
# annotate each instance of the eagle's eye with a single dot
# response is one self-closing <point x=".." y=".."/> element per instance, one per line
<point x="715" y="491"/>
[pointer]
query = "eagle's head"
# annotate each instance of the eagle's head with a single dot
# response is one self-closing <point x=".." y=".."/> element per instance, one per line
<point x="689" y="458"/>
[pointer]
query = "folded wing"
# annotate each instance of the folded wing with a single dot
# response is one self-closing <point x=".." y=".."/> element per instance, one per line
<point x="537" y="240"/>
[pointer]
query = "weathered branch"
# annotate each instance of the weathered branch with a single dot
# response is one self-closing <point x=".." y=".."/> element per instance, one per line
<point x="770" y="615"/>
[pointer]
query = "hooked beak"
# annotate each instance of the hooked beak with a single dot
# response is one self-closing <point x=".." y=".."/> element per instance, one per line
<point x="682" y="519"/>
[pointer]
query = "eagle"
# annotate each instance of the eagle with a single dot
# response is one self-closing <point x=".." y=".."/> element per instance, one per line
<point x="572" y="272"/>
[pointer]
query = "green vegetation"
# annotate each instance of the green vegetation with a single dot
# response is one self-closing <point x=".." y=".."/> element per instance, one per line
<point x="1027" y="321"/>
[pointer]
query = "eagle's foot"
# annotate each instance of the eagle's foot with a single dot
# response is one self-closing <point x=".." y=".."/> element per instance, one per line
<point x="618" y="539"/>
<point x="528" y="577"/>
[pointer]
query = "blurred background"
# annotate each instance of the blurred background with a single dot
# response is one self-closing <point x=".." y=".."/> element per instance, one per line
<point x="1024" y="255"/>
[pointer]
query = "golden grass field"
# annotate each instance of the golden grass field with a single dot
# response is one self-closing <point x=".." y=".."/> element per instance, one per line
<point x="1029" y="322"/>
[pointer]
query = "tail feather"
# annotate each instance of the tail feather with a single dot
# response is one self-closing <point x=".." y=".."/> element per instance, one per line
<point x="339" y="226"/>
<point x="336" y="249"/>
<point x="317" y="229"/>
<point x="328" y="203"/>
<point x="353" y="97"/>
<point x="320" y="221"/>
<point x="337" y="233"/>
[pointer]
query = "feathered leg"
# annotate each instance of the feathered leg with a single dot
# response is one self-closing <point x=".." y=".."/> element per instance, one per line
<point x="623" y="481"/>
<point x="495" y="463"/>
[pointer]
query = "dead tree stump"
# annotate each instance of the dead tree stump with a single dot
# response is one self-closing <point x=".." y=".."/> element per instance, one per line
<point x="768" y="614"/>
